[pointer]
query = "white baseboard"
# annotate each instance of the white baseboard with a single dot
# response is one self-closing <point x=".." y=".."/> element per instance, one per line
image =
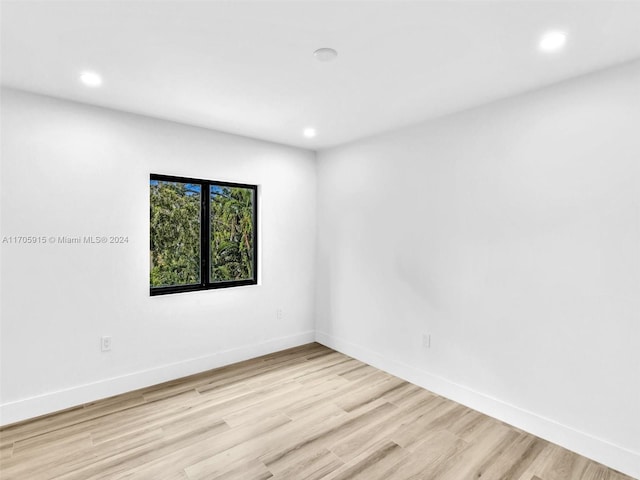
<point x="614" y="456"/>
<point x="31" y="407"/>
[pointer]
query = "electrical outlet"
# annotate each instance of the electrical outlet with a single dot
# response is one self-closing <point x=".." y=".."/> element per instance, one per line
<point x="426" y="340"/>
<point x="279" y="314"/>
<point x="105" y="343"/>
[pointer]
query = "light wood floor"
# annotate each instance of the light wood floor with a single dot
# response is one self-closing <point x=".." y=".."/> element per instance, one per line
<point x="303" y="414"/>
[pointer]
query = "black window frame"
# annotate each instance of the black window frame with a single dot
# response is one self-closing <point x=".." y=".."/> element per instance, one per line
<point x="205" y="229"/>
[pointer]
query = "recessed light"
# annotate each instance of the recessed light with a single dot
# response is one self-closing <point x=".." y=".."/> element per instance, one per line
<point x="91" y="79"/>
<point x="309" y="132"/>
<point x="325" y="54"/>
<point x="553" y="41"/>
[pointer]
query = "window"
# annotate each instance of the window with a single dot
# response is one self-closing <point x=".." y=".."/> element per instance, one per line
<point x="203" y="234"/>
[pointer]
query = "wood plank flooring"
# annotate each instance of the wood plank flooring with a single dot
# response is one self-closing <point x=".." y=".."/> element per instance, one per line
<point x="307" y="413"/>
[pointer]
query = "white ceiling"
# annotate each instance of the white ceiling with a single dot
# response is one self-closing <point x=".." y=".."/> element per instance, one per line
<point x="248" y="67"/>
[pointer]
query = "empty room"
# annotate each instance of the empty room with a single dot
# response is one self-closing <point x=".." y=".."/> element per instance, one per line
<point x="320" y="240"/>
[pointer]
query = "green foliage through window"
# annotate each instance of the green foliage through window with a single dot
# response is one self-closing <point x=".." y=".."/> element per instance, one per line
<point x="196" y="244"/>
<point x="231" y="233"/>
<point x="175" y="233"/>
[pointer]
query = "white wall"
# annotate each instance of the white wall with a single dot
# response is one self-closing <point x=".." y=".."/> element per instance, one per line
<point x="71" y="169"/>
<point x="511" y="233"/>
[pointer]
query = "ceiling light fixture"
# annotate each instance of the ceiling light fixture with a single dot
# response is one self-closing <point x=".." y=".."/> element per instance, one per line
<point x="325" y="54"/>
<point x="553" y="41"/>
<point x="91" y="79"/>
<point x="309" y="132"/>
